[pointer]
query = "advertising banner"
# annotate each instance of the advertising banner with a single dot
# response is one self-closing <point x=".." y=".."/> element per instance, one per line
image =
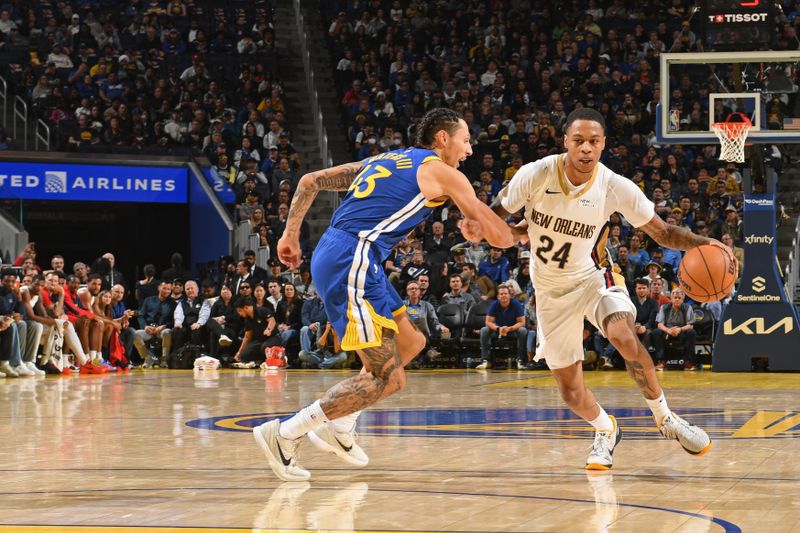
<point x="94" y="183"/>
<point x="760" y="322"/>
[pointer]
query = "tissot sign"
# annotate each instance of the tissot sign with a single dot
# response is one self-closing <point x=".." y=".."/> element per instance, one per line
<point x="39" y="181"/>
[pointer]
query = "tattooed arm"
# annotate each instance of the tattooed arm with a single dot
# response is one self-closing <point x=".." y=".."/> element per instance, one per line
<point x="331" y="179"/>
<point x="675" y="237"/>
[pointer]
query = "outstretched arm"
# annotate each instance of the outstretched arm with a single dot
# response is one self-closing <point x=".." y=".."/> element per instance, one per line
<point x="675" y="237"/>
<point x="336" y="178"/>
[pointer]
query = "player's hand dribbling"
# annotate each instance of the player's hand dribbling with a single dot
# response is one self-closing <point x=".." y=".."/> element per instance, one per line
<point x="726" y="249"/>
<point x="289" y="252"/>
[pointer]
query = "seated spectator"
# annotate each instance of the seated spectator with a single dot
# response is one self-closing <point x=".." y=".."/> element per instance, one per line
<point x="224" y="322"/>
<point x="191" y="315"/>
<point x="458" y="295"/>
<point x="504" y="319"/>
<point x="260" y="332"/>
<point x="437" y="245"/>
<point x="330" y="349"/>
<point x="288" y="314"/>
<point x="124" y="315"/>
<point x="495" y="266"/>
<point x="657" y="292"/>
<point x="260" y="296"/>
<point x="425" y="293"/>
<point x="646" y="311"/>
<point x="29" y="331"/>
<point x="177" y="290"/>
<point x="665" y="270"/>
<point x="480" y="288"/>
<point x="400" y="258"/>
<point x="675" y="320"/>
<point x="636" y="254"/>
<point x="415" y="268"/>
<point x="423" y="314"/>
<point x="88" y="326"/>
<point x="312" y="317"/>
<point x="275" y="292"/>
<point x="156" y="318"/>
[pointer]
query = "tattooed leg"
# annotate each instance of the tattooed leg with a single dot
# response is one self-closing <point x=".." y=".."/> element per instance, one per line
<point x="621" y="333"/>
<point x="384" y="375"/>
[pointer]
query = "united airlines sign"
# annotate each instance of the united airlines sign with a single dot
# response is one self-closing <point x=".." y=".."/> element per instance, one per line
<point x="38" y="181"/>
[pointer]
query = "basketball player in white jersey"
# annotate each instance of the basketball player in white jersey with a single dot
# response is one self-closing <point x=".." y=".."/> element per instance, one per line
<point x="568" y="199"/>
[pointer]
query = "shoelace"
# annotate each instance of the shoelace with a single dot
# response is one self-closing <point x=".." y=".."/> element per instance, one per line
<point x="668" y="426"/>
<point x="602" y="442"/>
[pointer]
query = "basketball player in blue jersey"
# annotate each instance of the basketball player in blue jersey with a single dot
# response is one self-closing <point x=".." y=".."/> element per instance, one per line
<point x="568" y="199"/>
<point x="388" y="195"/>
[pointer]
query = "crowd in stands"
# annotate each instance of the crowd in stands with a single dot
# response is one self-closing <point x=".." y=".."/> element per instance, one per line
<point x="155" y="77"/>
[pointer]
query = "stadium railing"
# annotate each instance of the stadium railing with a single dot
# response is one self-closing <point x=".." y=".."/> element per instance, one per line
<point x="316" y="111"/>
<point x="792" y="272"/>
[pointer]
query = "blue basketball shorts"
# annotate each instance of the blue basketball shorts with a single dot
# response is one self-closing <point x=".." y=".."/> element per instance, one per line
<point x="359" y="300"/>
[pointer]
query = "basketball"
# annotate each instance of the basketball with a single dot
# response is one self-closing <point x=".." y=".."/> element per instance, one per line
<point x="707" y="273"/>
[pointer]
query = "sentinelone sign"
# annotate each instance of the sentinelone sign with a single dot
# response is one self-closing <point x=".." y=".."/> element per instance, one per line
<point x="45" y="181"/>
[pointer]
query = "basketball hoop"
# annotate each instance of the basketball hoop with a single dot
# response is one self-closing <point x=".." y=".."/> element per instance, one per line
<point x="732" y="136"/>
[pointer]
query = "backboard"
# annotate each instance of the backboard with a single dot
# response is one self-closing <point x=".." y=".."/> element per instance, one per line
<point x="700" y="88"/>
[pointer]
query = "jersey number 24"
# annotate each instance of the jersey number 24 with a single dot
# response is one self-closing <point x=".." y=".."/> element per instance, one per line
<point x="560" y="256"/>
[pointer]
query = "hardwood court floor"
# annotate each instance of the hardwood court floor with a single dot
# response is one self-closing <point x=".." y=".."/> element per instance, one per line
<point x="456" y="451"/>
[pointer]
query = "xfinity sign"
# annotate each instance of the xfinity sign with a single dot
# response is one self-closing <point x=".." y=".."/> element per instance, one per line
<point x="36" y="181"/>
<point x="758" y="239"/>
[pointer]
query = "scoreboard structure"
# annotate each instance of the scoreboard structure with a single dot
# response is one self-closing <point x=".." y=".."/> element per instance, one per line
<point x="738" y="24"/>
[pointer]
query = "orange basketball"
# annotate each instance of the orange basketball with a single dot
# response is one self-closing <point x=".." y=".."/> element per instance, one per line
<point x="707" y="273"/>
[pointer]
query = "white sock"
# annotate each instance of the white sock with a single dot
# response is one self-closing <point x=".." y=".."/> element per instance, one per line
<point x="303" y="421"/>
<point x="346" y="423"/>
<point x="603" y="422"/>
<point x="92" y="355"/>
<point x="659" y="407"/>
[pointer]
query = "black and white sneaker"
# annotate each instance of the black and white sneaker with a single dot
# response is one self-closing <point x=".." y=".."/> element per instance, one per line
<point x="281" y="453"/>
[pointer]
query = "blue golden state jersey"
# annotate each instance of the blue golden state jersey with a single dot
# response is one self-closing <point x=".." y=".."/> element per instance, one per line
<point x="384" y="202"/>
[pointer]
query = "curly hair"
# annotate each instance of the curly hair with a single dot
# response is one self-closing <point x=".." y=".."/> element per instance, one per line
<point x="434" y="121"/>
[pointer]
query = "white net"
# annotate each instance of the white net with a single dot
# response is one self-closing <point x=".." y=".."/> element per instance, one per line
<point x="732" y="136"/>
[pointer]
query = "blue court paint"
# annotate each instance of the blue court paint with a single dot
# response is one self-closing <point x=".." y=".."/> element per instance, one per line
<point x="509" y="423"/>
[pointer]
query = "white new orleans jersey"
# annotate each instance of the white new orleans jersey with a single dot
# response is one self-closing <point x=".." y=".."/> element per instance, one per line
<point x="568" y="225"/>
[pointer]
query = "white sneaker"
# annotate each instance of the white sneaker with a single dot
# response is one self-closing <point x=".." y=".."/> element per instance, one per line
<point x="693" y="439"/>
<point x="33" y="368"/>
<point x="2" y="374"/>
<point x="600" y="458"/>
<point x="224" y="341"/>
<point x="23" y="370"/>
<point x="605" y="363"/>
<point x="485" y="365"/>
<point x="344" y="445"/>
<point x="281" y="453"/>
<point x="8" y="370"/>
